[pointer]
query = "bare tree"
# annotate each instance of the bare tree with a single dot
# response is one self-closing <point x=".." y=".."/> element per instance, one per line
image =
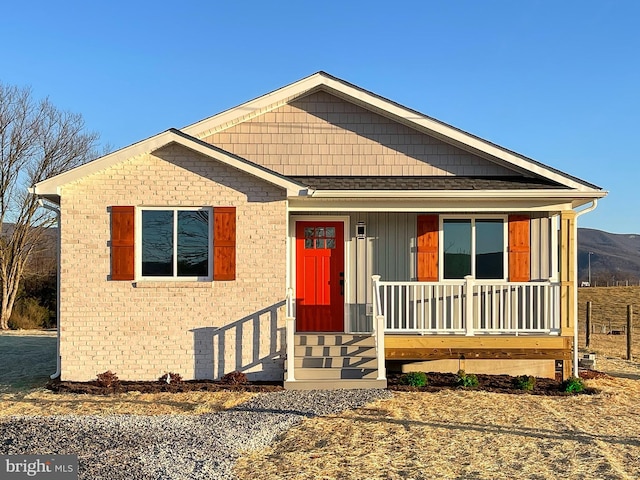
<point x="37" y="141"/>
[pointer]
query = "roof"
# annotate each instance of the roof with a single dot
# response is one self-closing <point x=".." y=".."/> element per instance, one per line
<point x="539" y="177"/>
<point x="425" y="183"/>
<point x="49" y="188"/>
<point x="395" y="111"/>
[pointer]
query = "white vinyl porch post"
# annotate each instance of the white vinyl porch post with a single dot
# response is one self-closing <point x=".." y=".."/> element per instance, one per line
<point x="290" y="329"/>
<point x="468" y="295"/>
<point x="378" y="328"/>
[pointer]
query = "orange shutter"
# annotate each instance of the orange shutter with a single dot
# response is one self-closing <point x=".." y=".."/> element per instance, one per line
<point x="122" y="243"/>
<point x="519" y="248"/>
<point x="224" y="243"/>
<point x="427" y="243"/>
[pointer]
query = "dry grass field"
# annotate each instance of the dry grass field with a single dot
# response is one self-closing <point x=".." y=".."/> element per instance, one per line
<point x="45" y="403"/>
<point x="609" y="312"/>
<point x="26" y="360"/>
<point x="465" y="435"/>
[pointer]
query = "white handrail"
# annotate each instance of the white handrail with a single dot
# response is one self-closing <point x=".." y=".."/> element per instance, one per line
<point x="379" y="328"/>
<point x="289" y="299"/>
<point x="290" y="329"/>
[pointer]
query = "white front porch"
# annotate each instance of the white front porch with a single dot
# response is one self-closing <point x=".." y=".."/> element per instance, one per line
<point x="408" y="314"/>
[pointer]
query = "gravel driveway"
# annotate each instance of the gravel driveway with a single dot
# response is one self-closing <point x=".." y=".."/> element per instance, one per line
<point x="173" y="447"/>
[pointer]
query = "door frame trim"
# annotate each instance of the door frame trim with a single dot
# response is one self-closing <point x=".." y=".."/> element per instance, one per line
<point x="345" y="219"/>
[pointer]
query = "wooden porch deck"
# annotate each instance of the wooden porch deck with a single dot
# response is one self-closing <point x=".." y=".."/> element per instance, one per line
<point x="438" y="347"/>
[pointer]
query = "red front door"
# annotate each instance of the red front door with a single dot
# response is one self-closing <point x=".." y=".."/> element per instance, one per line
<point x="319" y="276"/>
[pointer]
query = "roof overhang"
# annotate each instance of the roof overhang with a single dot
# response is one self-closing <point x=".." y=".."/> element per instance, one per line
<point x="455" y="194"/>
<point x="442" y="200"/>
<point x="50" y="188"/>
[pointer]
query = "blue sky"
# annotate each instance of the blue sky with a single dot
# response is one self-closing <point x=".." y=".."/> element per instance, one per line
<point x="556" y="81"/>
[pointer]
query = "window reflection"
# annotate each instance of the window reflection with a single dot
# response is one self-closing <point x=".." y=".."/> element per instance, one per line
<point x="157" y="243"/>
<point x="188" y="246"/>
<point x="487" y="252"/>
<point x="193" y="243"/>
<point x="489" y="249"/>
<point x="319" y="237"/>
<point x="457" y="248"/>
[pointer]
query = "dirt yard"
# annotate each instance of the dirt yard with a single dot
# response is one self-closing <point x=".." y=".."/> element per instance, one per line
<point x="465" y="435"/>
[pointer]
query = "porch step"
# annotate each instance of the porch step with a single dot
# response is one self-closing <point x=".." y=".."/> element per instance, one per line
<point x="319" y="351"/>
<point x="335" y="373"/>
<point x="336" y="362"/>
<point x="334" y="384"/>
<point x="333" y="361"/>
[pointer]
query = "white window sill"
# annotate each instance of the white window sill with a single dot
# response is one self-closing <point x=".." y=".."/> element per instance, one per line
<point x="172" y="284"/>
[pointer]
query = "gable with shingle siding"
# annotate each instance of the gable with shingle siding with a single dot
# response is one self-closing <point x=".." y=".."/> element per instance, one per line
<point x="321" y="134"/>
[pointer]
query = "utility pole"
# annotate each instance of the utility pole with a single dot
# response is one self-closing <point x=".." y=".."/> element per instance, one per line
<point x="590" y="253"/>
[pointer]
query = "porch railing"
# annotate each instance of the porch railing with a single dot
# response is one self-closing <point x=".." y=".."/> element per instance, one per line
<point x="468" y="307"/>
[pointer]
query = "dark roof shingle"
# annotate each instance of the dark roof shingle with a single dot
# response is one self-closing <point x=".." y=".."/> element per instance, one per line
<point x="425" y="183"/>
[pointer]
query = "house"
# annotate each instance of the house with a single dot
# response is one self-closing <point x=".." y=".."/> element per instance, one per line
<point x="322" y="233"/>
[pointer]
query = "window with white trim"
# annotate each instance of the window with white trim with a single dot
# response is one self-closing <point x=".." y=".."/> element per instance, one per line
<point x="474" y="246"/>
<point x="176" y="243"/>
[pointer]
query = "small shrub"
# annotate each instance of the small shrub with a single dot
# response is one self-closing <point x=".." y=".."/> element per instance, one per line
<point x="573" y="385"/>
<point x="414" y="379"/>
<point x="28" y="314"/>
<point x="173" y="378"/>
<point x="467" y="380"/>
<point x="234" y="378"/>
<point x="107" y="379"/>
<point x="524" y="382"/>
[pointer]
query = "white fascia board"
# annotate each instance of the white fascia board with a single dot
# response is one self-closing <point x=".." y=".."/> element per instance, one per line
<point x="431" y="206"/>
<point x="447" y="132"/>
<point x="247" y="110"/>
<point x="293" y="189"/>
<point x="52" y="185"/>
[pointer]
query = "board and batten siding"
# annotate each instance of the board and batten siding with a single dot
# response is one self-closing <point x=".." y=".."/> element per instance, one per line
<point x="387" y="250"/>
<point x="541" y="232"/>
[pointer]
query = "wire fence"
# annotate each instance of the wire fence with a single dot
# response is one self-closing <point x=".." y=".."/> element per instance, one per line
<point x="609" y="334"/>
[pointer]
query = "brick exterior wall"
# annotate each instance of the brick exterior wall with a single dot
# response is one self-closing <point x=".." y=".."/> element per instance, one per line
<point x="198" y="329"/>
<point x="321" y="134"/>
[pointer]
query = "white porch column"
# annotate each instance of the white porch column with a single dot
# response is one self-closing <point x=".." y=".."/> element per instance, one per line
<point x="291" y="361"/>
<point x="378" y="328"/>
<point x="468" y="293"/>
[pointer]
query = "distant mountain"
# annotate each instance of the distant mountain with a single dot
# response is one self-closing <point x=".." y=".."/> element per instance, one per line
<point x="614" y="257"/>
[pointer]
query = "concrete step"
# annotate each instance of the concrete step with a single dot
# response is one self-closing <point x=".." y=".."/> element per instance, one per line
<point x="334" y="339"/>
<point x="335" y="373"/>
<point x="320" y="351"/>
<point x="336" y="362"/>
<point x="334" y="384"/>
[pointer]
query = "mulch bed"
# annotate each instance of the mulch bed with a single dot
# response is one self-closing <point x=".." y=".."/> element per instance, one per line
<point x="92" y="388"/>
<point x="492" y="383"/>
<point x="437" y="382"/>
